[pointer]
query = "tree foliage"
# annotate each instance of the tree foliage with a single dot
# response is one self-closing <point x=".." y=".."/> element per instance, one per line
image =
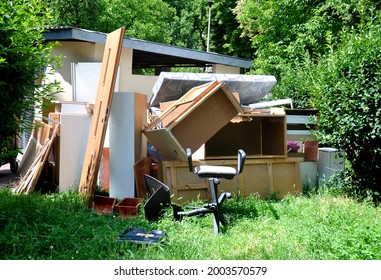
<point x="179" y="23"/>
<point x="83" y="14"/>
<point x="227" y="36"/>
<point x="189" y="26"/>
<point x="326" y="54"/>
<point x="348" y="93"/>
<point x="23" y="60"/>
<point x="143" y="19"/>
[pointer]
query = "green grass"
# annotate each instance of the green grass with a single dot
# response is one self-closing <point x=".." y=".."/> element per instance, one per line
<point x="314" y="227"/>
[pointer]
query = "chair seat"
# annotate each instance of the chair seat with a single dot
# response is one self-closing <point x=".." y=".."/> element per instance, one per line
<point x="210" y="171"/>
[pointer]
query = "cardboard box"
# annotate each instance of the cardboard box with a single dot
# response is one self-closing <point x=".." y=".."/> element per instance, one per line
<point x="192" y="120"/>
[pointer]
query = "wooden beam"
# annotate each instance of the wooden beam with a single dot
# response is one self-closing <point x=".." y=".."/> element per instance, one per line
<point x="106" y="85"/>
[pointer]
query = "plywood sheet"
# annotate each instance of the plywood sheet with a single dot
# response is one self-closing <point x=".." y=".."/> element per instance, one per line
<point x="286" y="178"/>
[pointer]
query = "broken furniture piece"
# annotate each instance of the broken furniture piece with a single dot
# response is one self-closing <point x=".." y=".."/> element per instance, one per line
<point x="214" y="173"/>
<point x="192" y="120"/>
<point x="261" y="177"/>
<point x="29" y="180"/>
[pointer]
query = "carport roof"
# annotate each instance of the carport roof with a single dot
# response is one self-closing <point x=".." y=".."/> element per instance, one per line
<point x="149" y="54"/>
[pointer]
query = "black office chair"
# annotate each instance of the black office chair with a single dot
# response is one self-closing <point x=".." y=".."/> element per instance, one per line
<point x="214" y="173"/>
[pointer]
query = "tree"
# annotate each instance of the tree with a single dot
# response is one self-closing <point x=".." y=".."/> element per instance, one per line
<point x="189" y="27"/>
<point x="23" y="58"/>
<point x="227" y="36"/>
<point x="143" y="19"/>
<point x="289" y="36"/>
<point x="84" y="14"/>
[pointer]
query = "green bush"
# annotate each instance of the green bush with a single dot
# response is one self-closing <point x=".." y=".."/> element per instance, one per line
<point x="348" y="95"/>
<point x="326" y="55"/>
<point x="24" y="58"/>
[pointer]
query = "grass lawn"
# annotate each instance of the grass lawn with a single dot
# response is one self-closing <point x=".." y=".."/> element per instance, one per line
<point x="314" y="227"/>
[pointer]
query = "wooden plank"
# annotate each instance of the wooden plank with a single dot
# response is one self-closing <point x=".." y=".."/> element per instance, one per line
<point x="141" y="167"/>
<point x="39" y="136"/>
<point x="105" y="169"/>
<point x="110" y="63"/>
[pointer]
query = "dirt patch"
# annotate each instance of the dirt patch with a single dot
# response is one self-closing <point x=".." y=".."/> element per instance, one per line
<point x="7" y="178"/>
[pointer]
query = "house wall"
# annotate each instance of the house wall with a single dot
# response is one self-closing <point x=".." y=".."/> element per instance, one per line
<point x="91" y="52"/>
<point x="224" y="69"/>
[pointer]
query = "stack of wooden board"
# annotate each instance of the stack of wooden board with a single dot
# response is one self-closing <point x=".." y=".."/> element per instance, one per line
<point x="30" y="178"/>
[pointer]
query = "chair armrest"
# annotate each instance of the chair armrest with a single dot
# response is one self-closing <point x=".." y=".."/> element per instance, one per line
<point x="189" y="156"/>
<point x="241" y="160"/>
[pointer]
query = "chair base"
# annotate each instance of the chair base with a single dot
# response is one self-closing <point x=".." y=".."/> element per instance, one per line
<point x="214" y="207"/>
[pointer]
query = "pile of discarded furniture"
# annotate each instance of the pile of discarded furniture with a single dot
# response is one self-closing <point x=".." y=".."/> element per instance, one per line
<point x="199" y="120"/>
<point x="215" y="120"/>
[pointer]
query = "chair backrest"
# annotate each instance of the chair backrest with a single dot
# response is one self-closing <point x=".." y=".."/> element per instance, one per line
<point x="152" y="184"/>
<point x="159" y="200"/>
<point x="241" y="160"/>
<point x="189" y="156"/>
<point x="155" y="206"/>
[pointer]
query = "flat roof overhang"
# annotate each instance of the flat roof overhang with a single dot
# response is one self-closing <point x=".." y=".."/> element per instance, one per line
<point x="150" y="54"/>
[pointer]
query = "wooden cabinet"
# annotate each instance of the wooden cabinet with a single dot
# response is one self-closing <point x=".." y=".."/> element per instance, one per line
<point x="260" y="176"/>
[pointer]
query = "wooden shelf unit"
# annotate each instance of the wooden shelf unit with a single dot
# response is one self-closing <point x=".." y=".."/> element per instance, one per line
<point x="259" y="135"/>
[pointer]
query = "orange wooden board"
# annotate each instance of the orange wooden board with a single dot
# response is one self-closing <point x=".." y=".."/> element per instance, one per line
<point x="110" y="63"/>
